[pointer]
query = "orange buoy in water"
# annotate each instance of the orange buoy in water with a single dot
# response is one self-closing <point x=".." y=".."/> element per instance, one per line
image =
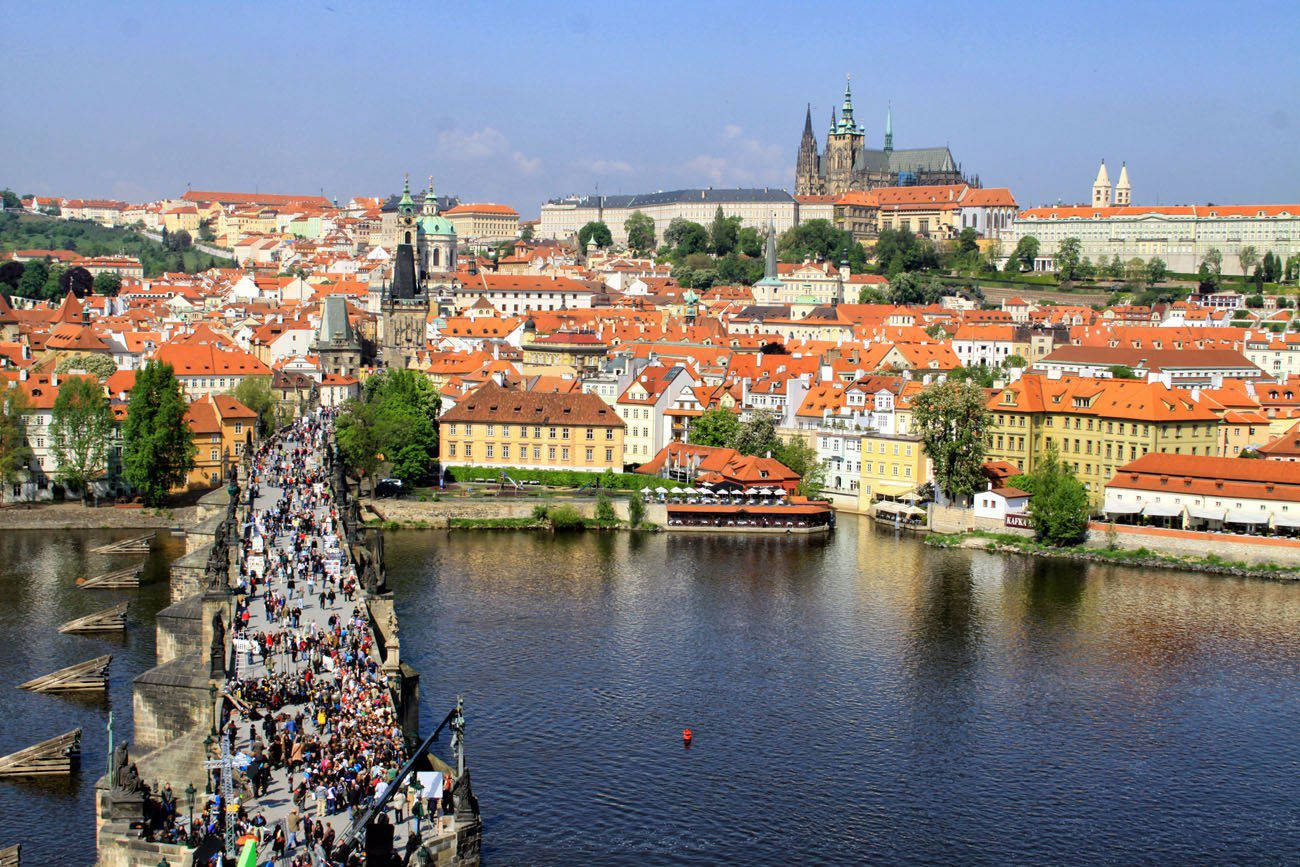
<point x="686" y="736"/>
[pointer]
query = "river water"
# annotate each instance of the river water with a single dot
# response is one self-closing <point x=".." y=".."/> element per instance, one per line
<point x="859" y="699"/>
<point x="862" y="699"/>
<point x="54" y="818"/>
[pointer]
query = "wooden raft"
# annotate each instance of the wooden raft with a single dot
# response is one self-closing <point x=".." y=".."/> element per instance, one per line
<point x="134" y="545"/>
<point x="11" y="856"/>
<point x="88" y="676"/>
<point x="48" y="758"/>
<point x="118" y="580"/>
<point x="109" y="620"/>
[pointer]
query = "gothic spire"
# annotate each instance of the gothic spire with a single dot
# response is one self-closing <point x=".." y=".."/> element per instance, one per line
<point x="807" y="122"/>
<point x="889" y="127"/>
<point x="406" y="204"/>
<point x="769" y="266"/>
<point x="846" y="110"/>
<point x="833" y="122"/>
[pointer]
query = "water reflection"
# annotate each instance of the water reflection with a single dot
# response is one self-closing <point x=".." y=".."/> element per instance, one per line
<point x="854" y="699"/>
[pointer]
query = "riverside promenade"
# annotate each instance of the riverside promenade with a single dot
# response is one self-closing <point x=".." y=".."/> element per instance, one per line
<point x="310" y="721"/>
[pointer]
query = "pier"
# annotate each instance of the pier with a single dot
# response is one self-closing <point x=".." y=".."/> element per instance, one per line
<point x="280" y="702"/>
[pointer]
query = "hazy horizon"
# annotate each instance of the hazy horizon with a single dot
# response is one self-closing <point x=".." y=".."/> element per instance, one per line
<point x="519" y="105"/>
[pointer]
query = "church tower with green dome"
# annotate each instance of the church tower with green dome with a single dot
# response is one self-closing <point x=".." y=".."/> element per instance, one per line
<point x="404" y="303"/>
<point x="437" y="237"/>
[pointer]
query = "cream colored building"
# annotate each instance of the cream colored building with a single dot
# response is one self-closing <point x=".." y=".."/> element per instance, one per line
<point x="484" y="224"/>
<point x="562" y="218"/>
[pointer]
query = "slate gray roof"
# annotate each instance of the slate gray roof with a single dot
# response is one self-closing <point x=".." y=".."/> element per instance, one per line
<point x="710" y="195"/>
<point x="905" y="160"/>
<point x="334" y="323"/>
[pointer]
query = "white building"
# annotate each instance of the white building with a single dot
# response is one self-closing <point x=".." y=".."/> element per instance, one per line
<point x="562" y="218"/>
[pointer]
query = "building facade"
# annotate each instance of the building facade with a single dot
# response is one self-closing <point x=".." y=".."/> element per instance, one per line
<point x="562" y="218"/>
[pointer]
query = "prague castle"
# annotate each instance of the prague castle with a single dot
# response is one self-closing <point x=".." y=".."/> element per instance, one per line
<point x="848" y="164"/>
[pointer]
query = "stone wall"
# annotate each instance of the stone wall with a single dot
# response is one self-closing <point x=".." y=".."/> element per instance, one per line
<point x="179" y="629"/>
<point x="171" y="700"/>
<point x="951" y="519"/>
<point x="1229" y="546"/>
<point x="505" y="507"/>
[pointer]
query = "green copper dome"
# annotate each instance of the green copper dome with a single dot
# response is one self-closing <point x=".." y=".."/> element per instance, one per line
<point x="432" y="224"/>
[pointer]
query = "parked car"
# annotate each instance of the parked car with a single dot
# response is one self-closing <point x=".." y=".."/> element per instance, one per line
<point x="389" y="487"/>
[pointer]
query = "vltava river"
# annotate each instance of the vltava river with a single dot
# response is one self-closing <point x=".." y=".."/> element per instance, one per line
<point x="863" y="699"/>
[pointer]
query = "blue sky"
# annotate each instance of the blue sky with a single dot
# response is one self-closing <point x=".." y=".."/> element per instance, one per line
<point x="521" y="103"/>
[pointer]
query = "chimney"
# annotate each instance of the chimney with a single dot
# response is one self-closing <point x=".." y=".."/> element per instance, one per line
<point x="54" y="379"/>
<point x="22" y="374"/>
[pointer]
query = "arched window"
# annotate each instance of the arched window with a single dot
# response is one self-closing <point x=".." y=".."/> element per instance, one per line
<point x="436" y="253"/>
<point x="408" y="237"/>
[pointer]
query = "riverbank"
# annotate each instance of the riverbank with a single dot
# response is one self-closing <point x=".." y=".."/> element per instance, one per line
<point x="1005" y="543"/>
<point x="74" y="516"/>
<point x="497" y="513"/>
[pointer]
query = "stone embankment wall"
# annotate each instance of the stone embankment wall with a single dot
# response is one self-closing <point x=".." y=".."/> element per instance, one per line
<point x="440" y="512"/>
<point x="1229" y="546"/>
<point x="950" y="519"/>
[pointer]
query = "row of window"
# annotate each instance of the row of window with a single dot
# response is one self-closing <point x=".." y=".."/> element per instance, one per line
<point x="551" y="432"/>
<point x="493" y="450"/>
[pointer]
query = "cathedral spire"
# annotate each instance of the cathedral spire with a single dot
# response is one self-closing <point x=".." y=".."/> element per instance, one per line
<point x="769" y="265"/>
<point x="833" y="121"/>
<point x="807" y="122"/>
<point x="430" y="199"/>
<point x="846" y="110"/>
<point x="889" y="127"/>
<point x="406" y="204"/>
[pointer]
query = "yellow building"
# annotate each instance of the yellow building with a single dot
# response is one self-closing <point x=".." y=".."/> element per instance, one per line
<point x="484" y="223"/>
<point x="499" y="427"/>
<point x="1097" y="425"/>
<point x="222" y="428"/>
<point x="893" y="466"/>
<point x="184" y="217"/>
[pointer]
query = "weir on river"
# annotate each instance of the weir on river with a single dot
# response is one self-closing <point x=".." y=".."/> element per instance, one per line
<point x="291" y="705"/>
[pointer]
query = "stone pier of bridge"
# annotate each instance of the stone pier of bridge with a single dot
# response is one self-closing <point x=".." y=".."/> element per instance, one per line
<point x="178" y="704"/>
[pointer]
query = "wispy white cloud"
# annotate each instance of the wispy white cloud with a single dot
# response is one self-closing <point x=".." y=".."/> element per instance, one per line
<point x="484" y="145"/>
<point x="608" y="167"/>
<point x="738" y="159"/>
<point x="525" y="165"/>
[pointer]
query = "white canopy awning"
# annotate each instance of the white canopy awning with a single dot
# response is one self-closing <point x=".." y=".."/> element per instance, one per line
<point x="1245" y="516"/>
<point x="1123" y="509"/>
<point x="675" y="490"/>
<point x="661" y="490"/>
<point x="1161" y="510"/>
<point x="1204" y="514"/>
<point x="1280" y="520"/>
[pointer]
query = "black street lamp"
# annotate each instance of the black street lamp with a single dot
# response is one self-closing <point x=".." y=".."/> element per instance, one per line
<point x="207" y="754"/>
<point x="190" y="792"/>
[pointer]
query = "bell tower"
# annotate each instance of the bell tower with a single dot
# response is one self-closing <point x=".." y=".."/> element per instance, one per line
<point x="1101" y="188"/>
<point x="404" y="309"/>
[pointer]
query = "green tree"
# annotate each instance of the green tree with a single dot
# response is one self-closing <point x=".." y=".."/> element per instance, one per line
<point x="595" y="232"/>
<point x="76" y="280"/>
<point x="14" y="451"/>
<point x="714" y="427"/>
<point x="10" y="199"/>
<point x="749" y="242"/>
<point x="799" y="456"/>
<point x="723" y="233"/>
<point x="527" y="233"/>
<point x="81" y="424"/>
<point x="1058" y="508"/>
<point x="1122" y="371"/>
<point x="11" y="274"/>
<point x="107" y="283"/>
<point x="205" y="230"/>
<point x="1135" y="272"/>
<point x="255" y="393"/>
<point x="1247" y="258"/>
<point x="1068" y="256"/>
<point x="640" y="230"/>
<point x="952" y="419"/>
<point x="32" y="283"/>
<point x="605" y="513"/>
<point x="1024" y="255"/>
<point x="357" y="435"/>
<point x="395" y="420"/>
<point x="100" y="366"/>
<point x="1157" y="271"/>
<point x="733" y="269"/>
<point x="820" y="240"/>
<point x="1015" y="361"/>
<point x="686" y="237"/>
<point x="968" y="242"/>
<point x="757" y="435"/>
<point x="157" y="444"/>
<point x="1114" y="269"/>
<point x="635" y="509"/>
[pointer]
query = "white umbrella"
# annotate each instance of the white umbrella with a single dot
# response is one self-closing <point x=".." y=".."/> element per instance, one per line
<point x="661" y="490"/>
<point x="675" y="490"/>
<point x="689" y="490"/>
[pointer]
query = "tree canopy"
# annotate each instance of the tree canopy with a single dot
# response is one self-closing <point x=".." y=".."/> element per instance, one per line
<point x="686" y="237"/>
<point x="1059" y="506"/>
<point x="820" y="240"/>
<point x="14" y="451"/>
<point x="107" y="283"/>
<point x="101" y="366"/>
<point x="899" y="250"/>
<point x="157" y="443"/>
<point x="80" y="427"/>
<point x="396" y="420"/>
<point x="595" y="232"/>
<point x="640" y="230"/>
<point x="714" y="427"/>
<point x="723" y="233"/>
<point x="255" y="393"/>
<point x="952" y="419"/>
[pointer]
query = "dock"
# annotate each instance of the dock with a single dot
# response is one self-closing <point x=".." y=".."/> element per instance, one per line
<point x="134" y="545"/>
<point x="120" y="579"/>
<point x="88" y="676"/>
<point x="109" y="620"/>
<point x="57" y="756"/>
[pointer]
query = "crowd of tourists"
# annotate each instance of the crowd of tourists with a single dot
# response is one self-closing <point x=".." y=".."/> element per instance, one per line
<point x="308" y="714"/>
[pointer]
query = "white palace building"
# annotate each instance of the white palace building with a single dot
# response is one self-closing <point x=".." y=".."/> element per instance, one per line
<point x="1181" y="235"/>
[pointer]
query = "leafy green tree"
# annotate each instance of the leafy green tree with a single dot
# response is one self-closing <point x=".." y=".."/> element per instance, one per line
<point x="14" y="450"/>
<point x="205" y="230"/>
<point x="11" y="199"/>
<point x="11" y="273"/>
<point x="527" y="233"/>
<point x="952" y="419"/>
<point x="733" y="269"/>
<point x="640" y="230"/>
<point x="968" y="242"/>
<point x="1157" y="271"/>
<point x="757" y="435"/>
<point x="1254" y="302"/>
<point x="723" y="233"/>
<point x="99" y="366"/>
<point x="107" y="283"/>
<point x="396" y="421"/>
<point x="686" y="237"/>
<point x="595" y="232"/>
<point x="714" y="427"/>
<point x="1059" y="506"/>
<point x="52" y="291"/>
<point x="635" y="509"/>
<point x="898" y="251"/>
<point x="605" y="513"/>
<point x="32" y="283"/>
<point x="1122" y="371"/>
<point x="157" y="443"/>
<point x="1024" y="255"/>
<point x="819" y="239"/>
<point x="81" y="424"/>
<point x="357" y="434"/>
<point x="1015" y="361"/>
<point x="872" y="295"/>
<point x="1247" y="258"/>
<point x="1135" y="272"/>
<point x="749" y="242"/>
<point x="1068" y="255"/>
<point x="255" y="393"/>
<point x="799" y="456"/>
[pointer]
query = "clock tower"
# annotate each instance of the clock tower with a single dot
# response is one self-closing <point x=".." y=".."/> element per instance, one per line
<point x="404" y="308"/>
